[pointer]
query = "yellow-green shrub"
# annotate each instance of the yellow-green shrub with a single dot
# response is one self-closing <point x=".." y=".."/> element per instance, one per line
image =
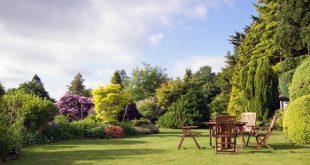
<point x="296" y="121"/>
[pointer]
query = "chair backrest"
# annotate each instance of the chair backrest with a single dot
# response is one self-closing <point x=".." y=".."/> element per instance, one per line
<point x="225" y="124"/>
<point x="273" y="123"/>
<point x="250" y="119"/>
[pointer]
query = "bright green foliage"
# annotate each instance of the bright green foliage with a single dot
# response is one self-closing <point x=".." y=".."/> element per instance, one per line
<point x="109" y="101"/>
<point x="193" y="108"/>
<point x="288" y="64"/>
<point x="33" y="111"/>
<point x="169" y="92"/>
<point x="296" y="121"/>
<point x="145" y="81"/>
<point x="219" y="104"/>
<point x="116" y="78"/>
<point x="300" y="85"/>
<point x="148" y="108"/>
<point x="293" y="34"/>
<point x="77" y="87"/>
<point x="36" y="87"/>
<point x="2" y="90"/>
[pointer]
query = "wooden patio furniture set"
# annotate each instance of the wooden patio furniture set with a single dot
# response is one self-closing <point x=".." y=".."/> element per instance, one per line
<point x="225" y="129"/>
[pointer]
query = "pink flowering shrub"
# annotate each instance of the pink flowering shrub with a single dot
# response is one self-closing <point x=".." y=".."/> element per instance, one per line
<point x="74" y="107"/>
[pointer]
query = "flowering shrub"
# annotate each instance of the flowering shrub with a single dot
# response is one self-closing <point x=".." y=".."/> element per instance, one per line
<point x="75" y="107"/>
<point x="114" y="131"/>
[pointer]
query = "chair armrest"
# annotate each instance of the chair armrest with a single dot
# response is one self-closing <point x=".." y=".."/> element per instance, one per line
<point x="189" y="127"/>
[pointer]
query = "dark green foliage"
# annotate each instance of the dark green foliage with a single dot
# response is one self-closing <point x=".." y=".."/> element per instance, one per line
<point x="2" y="90"/>
<point x="219" y="104"/>
<point x="296" y="120"/>
<point x="33" y="111"/>
<point x="192" y="106"/>
<point x="145" y="81"/>
<point x="116" y="78"/>
<point x="77" y="87"/>
<point x="293" y="33"/>
<point x="36" y="87"/>
<point x="300" y="85"/>
<point x="10" y="139"/>
<point x="188" y="75"/>
<point x="285" y="80"/>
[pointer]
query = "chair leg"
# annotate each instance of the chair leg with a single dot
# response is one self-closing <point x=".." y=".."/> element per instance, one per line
<point x="181" y="142"/>
<point x="210" y="135"/>
<point x="196" y="142"/>
<point x="247" y="142"/>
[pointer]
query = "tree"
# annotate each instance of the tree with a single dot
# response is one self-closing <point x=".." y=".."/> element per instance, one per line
<point x="116" y="78"/>
<point x="145" y="81"/>
<point x="149" y="109"/>
<point x="170" y="92"/>
<point x="36" y="87"/>
<point x="188" y="75"/>
<point x="293" y="33"/>
<point x="74" y="107"/>
<point x="193" y="108"/>
<point x="77" y="87"/>
<point x="109" y="102"/>
<point x="2" y="90"/>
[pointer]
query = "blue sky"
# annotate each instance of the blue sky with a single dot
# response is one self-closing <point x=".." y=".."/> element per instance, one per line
<point x="57" y="39"/>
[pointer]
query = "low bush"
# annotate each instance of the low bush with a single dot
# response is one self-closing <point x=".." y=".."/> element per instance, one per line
<point x="33" y="111"/>
<point x="296" y="120"/>
<point x="10" y="139"/>
<point x="169" y="120"/>
<point x="114" y="131"/>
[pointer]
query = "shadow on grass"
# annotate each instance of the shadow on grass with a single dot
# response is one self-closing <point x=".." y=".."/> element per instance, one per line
<point x="74" y="156"/>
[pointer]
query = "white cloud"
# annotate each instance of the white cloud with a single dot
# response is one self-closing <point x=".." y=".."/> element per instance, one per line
<point x="155" y="39"/>
<point x="195" y="62"/>
<point x="56" y="39"/>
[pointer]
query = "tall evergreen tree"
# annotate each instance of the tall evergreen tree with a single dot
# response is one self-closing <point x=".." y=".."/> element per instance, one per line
<point x="116" y="78"/>
<point x="36" y="87"/>
<point x="188" y="75"/>
<point x="77" y="86"/>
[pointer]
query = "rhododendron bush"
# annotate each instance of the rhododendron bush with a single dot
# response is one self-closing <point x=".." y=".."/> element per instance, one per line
<point x="74" y="107"/>
<point x="114" y="131"/>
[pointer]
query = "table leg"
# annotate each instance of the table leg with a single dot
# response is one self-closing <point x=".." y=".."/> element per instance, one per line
<point x="210" y="135"/>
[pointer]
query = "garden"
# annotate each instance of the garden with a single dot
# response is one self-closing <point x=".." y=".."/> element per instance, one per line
<point x="134" y="118"/>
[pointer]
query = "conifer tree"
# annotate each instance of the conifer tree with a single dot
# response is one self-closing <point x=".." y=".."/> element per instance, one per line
<point x="77" y="86"/>
<point x="116" y="78"/>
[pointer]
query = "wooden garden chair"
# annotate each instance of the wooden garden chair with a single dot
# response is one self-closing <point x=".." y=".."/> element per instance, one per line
<point x="250" y="122"/>
<point x="262" y="138"/>
<point x="187" y="133"/>
<point x="225" y="130"/>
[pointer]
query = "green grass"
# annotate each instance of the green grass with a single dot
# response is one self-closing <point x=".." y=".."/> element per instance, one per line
<point x="160" y="149"/>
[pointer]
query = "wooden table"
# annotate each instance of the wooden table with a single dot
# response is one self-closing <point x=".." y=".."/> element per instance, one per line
<point x="239" y="126"/>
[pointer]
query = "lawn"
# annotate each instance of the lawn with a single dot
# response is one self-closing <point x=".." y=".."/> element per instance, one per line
<point x="160" y="149"/>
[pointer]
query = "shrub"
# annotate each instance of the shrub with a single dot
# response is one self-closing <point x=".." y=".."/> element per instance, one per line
<point x="146" y="129"/>
<point x="129" y="129"/>
<point x="74" y="107"/>
<point x="296" y="120"/>
<point x="193" y="108"/>
<point x="300" y="85"/>
<point x="114" y="131"/>
<point x="140" y="122"/>
<point x="109" y="101"/>
<point x="169" y="120"/>
<point x="33" y="111"/>
<point x="148" y="109"/>
<point x="10" y="139"/>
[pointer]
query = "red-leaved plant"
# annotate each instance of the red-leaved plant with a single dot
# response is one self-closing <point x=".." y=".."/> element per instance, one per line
<point x="114" y="131"/>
